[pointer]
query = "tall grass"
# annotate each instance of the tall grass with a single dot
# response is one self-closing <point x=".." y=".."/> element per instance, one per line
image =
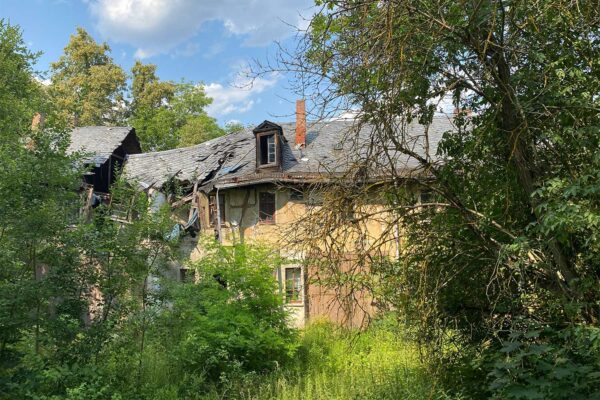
<point x="337" y="364"/>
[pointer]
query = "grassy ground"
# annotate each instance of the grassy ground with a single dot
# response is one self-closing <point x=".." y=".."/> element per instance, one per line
<point x="331" y="364"/>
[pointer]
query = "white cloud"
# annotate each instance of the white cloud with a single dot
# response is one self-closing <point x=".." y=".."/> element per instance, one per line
<point x="158" y="26"/>
<point x="43" y="81"/>
<point x="237" y="97"/>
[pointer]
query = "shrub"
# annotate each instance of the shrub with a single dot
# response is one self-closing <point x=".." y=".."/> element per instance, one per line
<point x="229" y="322"/>
<point x="549" y="364"/>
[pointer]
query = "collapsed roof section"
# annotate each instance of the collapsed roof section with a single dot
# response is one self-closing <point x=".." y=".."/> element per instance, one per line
<point x="103" y="151"/>
<point x="198" y="163"/>
<point x="330" y="148"/>
<point x="99" y="143"/>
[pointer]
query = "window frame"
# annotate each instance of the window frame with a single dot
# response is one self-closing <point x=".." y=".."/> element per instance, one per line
<point x="262" y="220"/>
<point x="297" y="287"/>
<point x="274" y="147"/>
<point x="426" y="196"/>
<point x="212" y="209"/>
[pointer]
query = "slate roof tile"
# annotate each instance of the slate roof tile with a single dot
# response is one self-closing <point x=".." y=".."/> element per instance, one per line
<point x="97" y="142"/>
<point x="330" y="149"/>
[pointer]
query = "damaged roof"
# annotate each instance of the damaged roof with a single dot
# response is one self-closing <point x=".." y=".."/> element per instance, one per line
<point x="98" y="143"/>
<point x="331" y="147"/>
<point x="188" y="164"/>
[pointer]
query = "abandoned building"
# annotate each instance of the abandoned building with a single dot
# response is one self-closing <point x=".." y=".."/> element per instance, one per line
<point x="251" y="186"/>
<point x="104" y="151"/>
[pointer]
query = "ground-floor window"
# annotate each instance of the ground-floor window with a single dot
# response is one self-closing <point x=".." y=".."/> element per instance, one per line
<point x="293" y="285"/>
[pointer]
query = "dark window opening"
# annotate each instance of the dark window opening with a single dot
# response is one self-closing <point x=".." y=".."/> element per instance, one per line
<point x="266" y="207"/>
<point x="426" y="196"/>
<point x="187" y="275"/>
<point x="220" y="280"/>
<point x="268" y="149"/>
<point x="296" y="195"/>
<point x="293" y="285"/>
<point x="212" y="209"/>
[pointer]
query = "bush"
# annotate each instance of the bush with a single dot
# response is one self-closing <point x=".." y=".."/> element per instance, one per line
<point x="547" y="364"/>
<point x="335" y="363"/>
<point x="229" y="322"/>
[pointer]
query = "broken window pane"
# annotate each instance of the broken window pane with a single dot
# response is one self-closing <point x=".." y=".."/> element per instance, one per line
<point x="271" y="149"/>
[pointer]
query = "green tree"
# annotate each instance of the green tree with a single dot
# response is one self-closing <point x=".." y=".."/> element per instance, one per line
<point x="87" y="87"/>
<point x="38" y="189"/>
<point x="147" y="91"/>
<point x="65" y="285"/>
<point x="512" y="234"/>
<point x="19" y="94"/>
<point x="168" y="115"/>
<point x="234" y="126"/>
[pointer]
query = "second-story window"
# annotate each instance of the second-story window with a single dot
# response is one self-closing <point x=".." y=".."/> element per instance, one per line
<point x="268" y="150"/>
<point x="266" y="208"/>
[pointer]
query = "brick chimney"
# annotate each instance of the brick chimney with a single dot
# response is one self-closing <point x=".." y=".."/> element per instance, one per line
<point x="37" y="122"/>
<point x="300" y="123"/>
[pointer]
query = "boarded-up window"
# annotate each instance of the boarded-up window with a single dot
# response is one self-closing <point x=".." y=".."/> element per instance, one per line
<point x="293" y="285"/>
<point x="212" y="206"/>
<point x="266" y="207"/>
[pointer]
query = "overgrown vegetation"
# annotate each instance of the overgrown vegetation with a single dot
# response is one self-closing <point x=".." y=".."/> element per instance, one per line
<point x="333" y="363"/>
<point x="499" y="271"/>
<point x="500" y="267"/>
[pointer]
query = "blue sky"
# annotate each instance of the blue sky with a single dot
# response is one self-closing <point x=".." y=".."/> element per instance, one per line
<point x="197" y="40"/>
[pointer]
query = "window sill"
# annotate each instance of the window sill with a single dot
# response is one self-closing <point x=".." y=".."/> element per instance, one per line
<point x="269" y="165"/>
<point x="298" y="304"/>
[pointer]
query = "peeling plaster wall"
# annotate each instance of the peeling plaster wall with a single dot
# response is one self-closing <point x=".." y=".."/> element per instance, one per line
<point x="241" y="223"/>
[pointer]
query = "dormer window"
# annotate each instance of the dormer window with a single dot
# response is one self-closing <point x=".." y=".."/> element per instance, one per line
<point x="268" y="149"/>
<point x="269" y="142"/>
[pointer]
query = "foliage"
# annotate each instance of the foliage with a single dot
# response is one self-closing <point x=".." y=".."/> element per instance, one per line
<point x="37" y="186"/>
<point x="66" y="284"/>
<point x="87" y="87"/>
<point x="147" y="90"/>
<point x="231" y="321"/>
<point x="334" y="363"/>
<point x="19" y="93"/>
<point x="168" y="115"/>
<point x="512" y="230"/>
<point x="544" y="363"/>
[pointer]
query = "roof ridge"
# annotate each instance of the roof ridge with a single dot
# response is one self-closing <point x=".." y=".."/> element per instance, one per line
<point x="207" y="143"/>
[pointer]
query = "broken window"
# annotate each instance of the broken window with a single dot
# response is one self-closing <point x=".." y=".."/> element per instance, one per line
<point x="293" y="285"/>
<point x="268" y="149"/>
<point x="212" y="209"/>
<point x="266" y="207"/>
